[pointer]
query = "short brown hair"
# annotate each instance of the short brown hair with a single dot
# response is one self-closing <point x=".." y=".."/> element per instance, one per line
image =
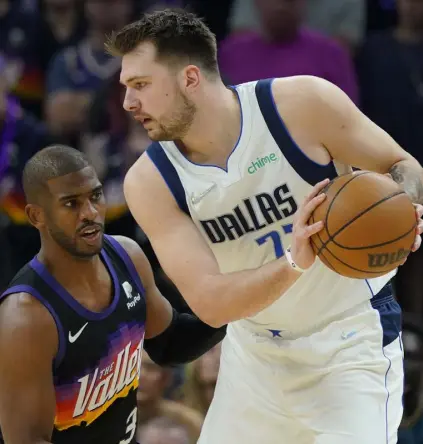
<point x="177" y="35"/>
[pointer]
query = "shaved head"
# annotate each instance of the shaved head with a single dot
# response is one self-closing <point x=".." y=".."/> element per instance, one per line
<point x="50" y="163"/>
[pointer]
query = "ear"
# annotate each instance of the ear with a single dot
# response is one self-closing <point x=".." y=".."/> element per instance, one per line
<point x="192" y="77"/>
<point x="35" y="215"/>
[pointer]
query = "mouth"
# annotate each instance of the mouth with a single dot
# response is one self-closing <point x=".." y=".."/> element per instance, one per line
<point x="91" y="234"/>
<point x="143" y="120"/>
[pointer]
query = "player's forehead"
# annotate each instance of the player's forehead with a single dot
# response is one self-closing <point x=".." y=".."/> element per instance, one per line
<point x="138" y="63"/>
<point x="78" y="183"/>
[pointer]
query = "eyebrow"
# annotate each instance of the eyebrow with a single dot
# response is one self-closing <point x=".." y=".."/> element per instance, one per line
<point x="132" y="79"/>
<point x="74" y="196"/>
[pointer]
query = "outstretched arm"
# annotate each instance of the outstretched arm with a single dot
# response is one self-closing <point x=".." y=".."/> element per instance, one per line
<point x="171" y="337"/>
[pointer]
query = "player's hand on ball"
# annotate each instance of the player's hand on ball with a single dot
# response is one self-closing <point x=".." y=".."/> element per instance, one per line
<point x="301" y="250"/>
<point x="419" y="229"/>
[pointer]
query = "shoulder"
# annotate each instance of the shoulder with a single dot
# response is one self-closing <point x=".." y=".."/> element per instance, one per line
<point x="304" y="95"/>
<point x="146" y="190"/>
<point x="24" y="319"/>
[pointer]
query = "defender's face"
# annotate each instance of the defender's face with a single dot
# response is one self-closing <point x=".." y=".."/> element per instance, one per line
<point x="154" y="95"/>
<point x="75" y="215"/>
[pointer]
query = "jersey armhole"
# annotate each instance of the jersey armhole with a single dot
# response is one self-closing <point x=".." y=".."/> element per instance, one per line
<point x="157" y="155"/>
<point x="60" y="331"/>
<point x="305" y="167"/>
<point x="122" y="253"/>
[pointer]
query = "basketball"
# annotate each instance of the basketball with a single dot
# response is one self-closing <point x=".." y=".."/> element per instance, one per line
<point x="370" y="225"/>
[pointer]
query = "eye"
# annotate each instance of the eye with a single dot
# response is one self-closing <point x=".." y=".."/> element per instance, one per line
<point x="97" y="195"/>
<point x="70" y="203"/>
<point x="140" y="85"/>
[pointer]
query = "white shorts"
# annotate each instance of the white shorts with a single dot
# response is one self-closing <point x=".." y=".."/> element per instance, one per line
<point x="341" y="385"/>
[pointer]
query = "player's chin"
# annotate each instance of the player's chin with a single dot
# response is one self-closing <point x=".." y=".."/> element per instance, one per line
<point x="91" y="245"/>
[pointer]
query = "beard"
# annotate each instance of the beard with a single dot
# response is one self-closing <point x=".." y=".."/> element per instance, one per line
<point x="177" y="125"/>
<point x="70" y="244"/>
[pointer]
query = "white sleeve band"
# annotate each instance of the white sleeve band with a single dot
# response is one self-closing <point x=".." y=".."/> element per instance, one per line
<point x="291" y="262"/>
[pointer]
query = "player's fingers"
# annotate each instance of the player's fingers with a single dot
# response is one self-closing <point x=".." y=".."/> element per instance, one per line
<point x="419" y="210"/>
<point x="313" y="228"/>
<point x="307" y="210"/>
<point x="316" y="190"/>
<point x="417" y="243"/>
<point x="420" y="227"/>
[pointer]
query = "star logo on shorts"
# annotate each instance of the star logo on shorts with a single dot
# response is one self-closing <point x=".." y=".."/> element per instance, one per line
<point x="275" y="333"/>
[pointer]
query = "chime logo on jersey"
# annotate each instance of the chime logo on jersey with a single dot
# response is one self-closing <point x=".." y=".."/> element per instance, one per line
<point x="115" y="376"/>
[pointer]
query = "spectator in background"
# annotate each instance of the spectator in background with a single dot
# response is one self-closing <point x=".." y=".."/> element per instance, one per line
<point x="411" y="430"/>
<point x="62" y="24"/>
<point x="390" y="72"/>
<point x="162" y="430"/>
<point x="285" y="48"/>
<point x="21" y="136"/>
<point x="20" y="47"/>
<point x="198" y="390"/>
<point x="380" y="15"/>
<point x="154" y="381"/>
<point x="343" y="20"/>
<point x="78" y="71"/>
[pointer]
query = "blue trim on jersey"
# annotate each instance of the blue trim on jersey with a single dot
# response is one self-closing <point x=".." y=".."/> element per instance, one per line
<point x="157" y="155"/>
<point x="391" y="320"/>
<point x="50" y="280"/>
<point x="309" y="170"/>
<point x="389" y="312"/>
<point x="34" y="293"/>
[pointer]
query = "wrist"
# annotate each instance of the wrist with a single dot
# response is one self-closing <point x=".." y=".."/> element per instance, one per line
<point x="291" y="261"/>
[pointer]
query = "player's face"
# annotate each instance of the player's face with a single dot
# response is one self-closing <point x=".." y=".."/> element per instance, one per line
<point x="154" y="95"/>
<point x="75" y="213"/>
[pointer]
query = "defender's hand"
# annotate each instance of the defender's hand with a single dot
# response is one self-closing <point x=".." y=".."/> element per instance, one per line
<point x="301" y="249"/>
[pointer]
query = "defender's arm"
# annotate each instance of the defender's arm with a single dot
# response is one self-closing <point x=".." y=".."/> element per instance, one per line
<point x="171" y="337"/>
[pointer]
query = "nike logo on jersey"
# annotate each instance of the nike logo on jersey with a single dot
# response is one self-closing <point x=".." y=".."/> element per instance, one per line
<point x="73" y="338"/>
<point x="196" y="198"/>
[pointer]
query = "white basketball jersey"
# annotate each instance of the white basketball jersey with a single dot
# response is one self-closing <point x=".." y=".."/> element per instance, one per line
<point x="245" y="212"/>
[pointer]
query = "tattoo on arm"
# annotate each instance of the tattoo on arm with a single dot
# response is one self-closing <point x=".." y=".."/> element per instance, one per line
<point x="410" y="179"/>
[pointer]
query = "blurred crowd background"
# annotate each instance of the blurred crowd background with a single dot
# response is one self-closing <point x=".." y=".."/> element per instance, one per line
<point x="58" y="85"/>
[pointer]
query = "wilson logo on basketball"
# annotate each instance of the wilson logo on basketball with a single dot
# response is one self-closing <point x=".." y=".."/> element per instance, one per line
<point x="384" y="259"/>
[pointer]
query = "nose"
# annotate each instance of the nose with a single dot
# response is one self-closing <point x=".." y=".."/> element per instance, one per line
<point x="88" y="211"/>
<point x="130" y="102"/>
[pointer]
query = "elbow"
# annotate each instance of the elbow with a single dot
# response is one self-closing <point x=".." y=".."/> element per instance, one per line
<point x="207" y="308"/>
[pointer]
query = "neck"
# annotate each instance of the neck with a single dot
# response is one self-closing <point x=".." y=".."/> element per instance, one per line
<point x="69" y="266"/>
<point x="408" y="34"/>
<point x="216" y="127"/>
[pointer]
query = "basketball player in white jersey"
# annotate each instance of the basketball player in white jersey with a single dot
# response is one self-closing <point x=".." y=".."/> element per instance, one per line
<point x="310" y="357"/>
